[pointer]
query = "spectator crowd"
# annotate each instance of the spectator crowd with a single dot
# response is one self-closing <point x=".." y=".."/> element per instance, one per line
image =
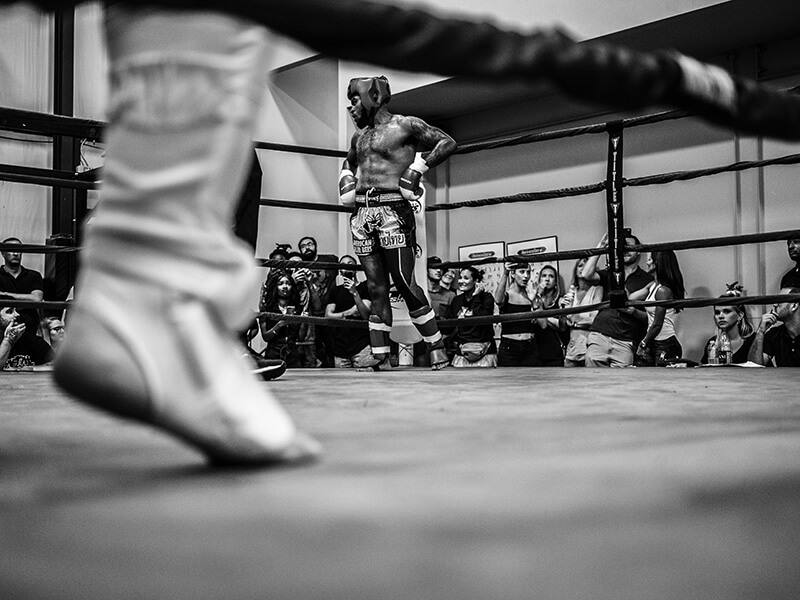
<point x="608" y="337"/>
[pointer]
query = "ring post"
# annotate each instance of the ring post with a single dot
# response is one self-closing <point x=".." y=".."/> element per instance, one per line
<point x="616" y="235"/>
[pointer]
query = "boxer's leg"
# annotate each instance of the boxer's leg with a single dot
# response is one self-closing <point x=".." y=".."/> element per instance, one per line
<point x="164" y="284"/>
<point x="401" y="268"/>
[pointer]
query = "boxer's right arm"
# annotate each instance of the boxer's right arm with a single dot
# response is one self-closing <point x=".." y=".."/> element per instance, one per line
<point x="347" y="177"/>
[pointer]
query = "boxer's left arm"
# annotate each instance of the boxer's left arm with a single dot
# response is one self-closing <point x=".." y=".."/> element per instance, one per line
<point x="441" y="147"/>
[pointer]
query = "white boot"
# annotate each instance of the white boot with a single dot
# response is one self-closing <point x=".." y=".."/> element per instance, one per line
<point x="164" y="283"/>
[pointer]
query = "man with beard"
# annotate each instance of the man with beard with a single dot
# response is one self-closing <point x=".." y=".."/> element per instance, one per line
<point x="792" y="277"/>
<point x="381" y="177"/>
<point x="614" y="333"/>
<point x="19" y="283"/>
<point x="319" y="339"/>
<point x="777" y="339"/>
<point x="17" y="348"/>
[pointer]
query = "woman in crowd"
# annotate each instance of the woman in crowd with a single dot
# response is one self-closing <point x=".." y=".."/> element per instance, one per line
<point x="548" y="333"/>
<point x="517" y="346"/>
<point x="733" y="322"/>
<point x="660" y="346"/>
<point x="52" y="331"/>
<point x="282" y="296"/>
<point x="474" y="344"/>
<point x="581" y="293"/>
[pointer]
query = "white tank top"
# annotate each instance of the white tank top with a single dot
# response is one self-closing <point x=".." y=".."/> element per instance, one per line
<point x="668" y="328"/>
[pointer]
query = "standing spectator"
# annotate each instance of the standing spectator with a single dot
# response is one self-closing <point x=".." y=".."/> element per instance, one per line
<point x="792" y="277"/>
<point x="517" y="346"/>
<point x="777" y="339"/>
<point x="17" y="349"/>
<point x="616" y="331"/>
<point x="441" y="297"/>
<point x="323" y="280"/>
<point x="350" y="301"/>
<point x="733" y="321"/>
<point x="283" y="296"/>
<point x="581" y="293"/>
<point x="548" y="333"/>
<point x="281" y="252"/>
<point x="660" y="345"/>
<point x="19" y="283"/>
<point x="474" y="344"/>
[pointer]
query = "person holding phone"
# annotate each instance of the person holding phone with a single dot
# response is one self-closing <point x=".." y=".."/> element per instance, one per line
<point x="282" y="296"/>
<point x="351" y="301"/>
<point x="615" y="332"/>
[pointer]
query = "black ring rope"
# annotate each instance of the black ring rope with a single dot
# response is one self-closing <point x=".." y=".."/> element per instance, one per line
<point x="752" y="238"/>
<point x="551" y="312"/>
<point x="47" y="177"/>
<point x="733" y="240"/>
<point x="568" y="132"/>
<point x="524" y="197"/>
<point x="305" y="205"/>
<point x="789" y="159"/>
<point x="300" y="149"/>
<point x="484" y="319"/>
<point x="40" y="123"/>
<point x="37" y="249"/>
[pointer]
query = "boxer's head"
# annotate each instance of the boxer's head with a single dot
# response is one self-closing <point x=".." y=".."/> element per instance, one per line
<point x="367" y="95"/>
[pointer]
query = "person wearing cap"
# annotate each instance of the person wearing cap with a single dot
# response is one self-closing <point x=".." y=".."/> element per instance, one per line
<point x="441" y="298"/>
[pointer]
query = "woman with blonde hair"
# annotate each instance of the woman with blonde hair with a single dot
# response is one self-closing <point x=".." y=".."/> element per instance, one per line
<point x="52" y="331"/>
<point x="581" y="293"/>
<point x="731" y="321"/>
<point x="548" y="331"/>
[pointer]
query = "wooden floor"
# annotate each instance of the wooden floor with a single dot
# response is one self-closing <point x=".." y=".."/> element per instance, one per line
<point x="472" y="484"/>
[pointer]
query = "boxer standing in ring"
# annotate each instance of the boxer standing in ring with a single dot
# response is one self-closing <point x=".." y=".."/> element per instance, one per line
<point x="381" y="177"/>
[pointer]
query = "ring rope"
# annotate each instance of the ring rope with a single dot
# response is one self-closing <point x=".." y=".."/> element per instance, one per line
<point x="752" y="238"/>
<point x="523" y="197"/>
<point x="568" y="132"/>
<point x="41" y="123"/>
<point x="551" y="312"/>
<point x="305" y="205"/>
<point x="789" y="159"/>
<point x="300" y="149"/>
<point x="37" y="249"/>
<point x="485" y="319"/>
<point x="49" y="177"/>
